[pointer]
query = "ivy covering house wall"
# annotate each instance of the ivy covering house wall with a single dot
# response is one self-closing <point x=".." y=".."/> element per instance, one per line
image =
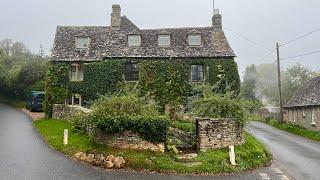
<point x="167" y="81"/>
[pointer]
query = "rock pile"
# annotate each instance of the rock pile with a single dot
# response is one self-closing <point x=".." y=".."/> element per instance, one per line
<point x="108" y="162"/>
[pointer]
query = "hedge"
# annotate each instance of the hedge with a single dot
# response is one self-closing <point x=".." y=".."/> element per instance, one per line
<point x="153" y="129"/>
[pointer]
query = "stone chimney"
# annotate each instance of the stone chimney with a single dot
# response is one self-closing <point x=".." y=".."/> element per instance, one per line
<point x="116" y="16"/>
<point x="217" y="20"/>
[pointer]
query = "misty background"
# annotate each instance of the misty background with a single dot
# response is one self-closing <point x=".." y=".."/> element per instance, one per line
<point x="252" y="27"/>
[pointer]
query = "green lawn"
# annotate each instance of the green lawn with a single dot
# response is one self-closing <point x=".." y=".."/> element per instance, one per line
<point x="294" y="129"/>
<point x="248" y="156"/>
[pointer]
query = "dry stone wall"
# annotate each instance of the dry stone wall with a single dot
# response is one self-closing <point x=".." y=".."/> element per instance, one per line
<point x="64" y="112"/>
<point x="218" y="133"/>
<point x="127" y="140"/>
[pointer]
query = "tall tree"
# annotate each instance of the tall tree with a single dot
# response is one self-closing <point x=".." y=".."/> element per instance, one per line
<point x="249" y="83"/>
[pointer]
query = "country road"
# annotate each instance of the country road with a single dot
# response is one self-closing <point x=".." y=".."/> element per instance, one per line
<point x="297" y="156"/>
<point x="24" y="155"/>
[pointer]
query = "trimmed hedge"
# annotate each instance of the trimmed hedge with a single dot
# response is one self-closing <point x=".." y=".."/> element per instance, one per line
<point x="153" y="129"/>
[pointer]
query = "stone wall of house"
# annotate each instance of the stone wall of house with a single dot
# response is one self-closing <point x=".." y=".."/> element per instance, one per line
<point x="269" y="112"/>
<point x="218" y="133"/>
<point x="307" y="117"/>
<point x="127" y="140"/>
<point x="64" y="112"/>
<point x="182" y="139"/>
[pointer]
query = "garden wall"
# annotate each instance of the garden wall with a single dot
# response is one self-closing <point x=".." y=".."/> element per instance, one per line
<point x="127" y="140"/>
<point x="64" y="112"/>
<point x="218" y="133"/>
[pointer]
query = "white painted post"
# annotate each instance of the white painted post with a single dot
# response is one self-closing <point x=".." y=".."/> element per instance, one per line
<point x="65" y="137"/>
<point x="232" y="156"/>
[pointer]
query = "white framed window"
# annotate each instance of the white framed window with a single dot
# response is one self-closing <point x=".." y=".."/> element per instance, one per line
<point x="197" y="73"/>
<point x="313" y="120"/>
<point x="82" y="42"/>
<point x="134" y="40"/>
<point x="303" y="113"/>
<point x="164" y="40"/>
<point x="194" y="39"/>
<point x="76" y="73"/>
<point x="76" y="100"/>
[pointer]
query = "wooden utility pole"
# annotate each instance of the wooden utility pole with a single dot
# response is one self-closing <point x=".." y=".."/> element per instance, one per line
<point x="279" y="84"/>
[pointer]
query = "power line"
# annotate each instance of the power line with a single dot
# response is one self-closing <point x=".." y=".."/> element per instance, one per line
<point x="291" y="57"/>
<point x="249" y="40"/>
<point x="300" y="37"/>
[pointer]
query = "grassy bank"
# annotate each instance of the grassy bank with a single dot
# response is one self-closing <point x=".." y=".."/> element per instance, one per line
<point x="294" y="129"/>
<point x="12" y="101"/>
<point x="250" y="155"/>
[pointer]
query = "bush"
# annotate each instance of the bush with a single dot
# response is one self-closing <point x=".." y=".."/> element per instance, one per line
<point x="153" y="129"/>
<point x="116" y="114"/>
<point x="127" y="104"/>
<point x="219" y="106"/>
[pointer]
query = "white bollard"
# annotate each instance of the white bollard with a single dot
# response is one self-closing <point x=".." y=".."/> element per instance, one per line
<point x="232" y="156"/>
<point x="65" y="137"/>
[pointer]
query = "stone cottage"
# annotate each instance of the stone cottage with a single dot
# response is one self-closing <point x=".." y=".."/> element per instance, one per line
<point x="304" y="107"/>
<point x="79" y="46"/>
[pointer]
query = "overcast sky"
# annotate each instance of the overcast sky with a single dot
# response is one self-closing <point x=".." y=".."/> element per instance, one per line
<point x="263" y="21"/>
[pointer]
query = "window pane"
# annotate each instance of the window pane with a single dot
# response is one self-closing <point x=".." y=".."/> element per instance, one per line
<point x="194" y="40"/>
<point x="132" y="72"/>
<point x="82" y="42"/>
<point x="164" y="40"/>
<point x="134" y="40"/>
<point x="197" y="74"/>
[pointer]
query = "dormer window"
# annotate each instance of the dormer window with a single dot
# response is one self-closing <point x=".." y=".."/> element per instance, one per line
<point x="194" y="39"/>
<point x="134" y="40"/>
<point x="164" y="40"/>
<point x="82" y="42"/>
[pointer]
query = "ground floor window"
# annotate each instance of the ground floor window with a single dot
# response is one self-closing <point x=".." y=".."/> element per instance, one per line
<point x="75" y="100"/>
<point x="313" y="120"/>
<point x="197" y="73"/>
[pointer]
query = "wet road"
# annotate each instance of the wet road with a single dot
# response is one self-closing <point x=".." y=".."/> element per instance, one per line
<point x="296" y="156"/>
<point x="24" y="155"/>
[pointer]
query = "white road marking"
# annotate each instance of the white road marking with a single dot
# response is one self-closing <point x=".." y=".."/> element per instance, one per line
<point x="264" y="176"/>
<point x="284" y="177"/>
<point x="277" y="170"/>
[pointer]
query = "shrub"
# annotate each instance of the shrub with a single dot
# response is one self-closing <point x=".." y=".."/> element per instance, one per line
<point x="127" y="104"/>
<point x="153" y="129"/>
<point x="118" y="113"/>
<point x="219" y="106"/>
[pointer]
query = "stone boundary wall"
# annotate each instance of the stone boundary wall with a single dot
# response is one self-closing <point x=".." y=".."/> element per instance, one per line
<point x="64" y="112"/>
<point x="218" y="133"/>
<point x="127" y="140"/>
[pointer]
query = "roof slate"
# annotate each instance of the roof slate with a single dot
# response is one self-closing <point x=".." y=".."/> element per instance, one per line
<point x="309" y="95"/>
<point x="107" y="42"/>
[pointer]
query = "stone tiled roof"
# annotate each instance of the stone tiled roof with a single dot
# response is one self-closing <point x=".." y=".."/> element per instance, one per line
<point x="107" y="42"/>
<point x="309" y="95"/>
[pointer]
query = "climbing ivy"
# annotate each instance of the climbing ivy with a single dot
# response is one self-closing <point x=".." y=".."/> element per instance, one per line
<point x="167" y="81"/>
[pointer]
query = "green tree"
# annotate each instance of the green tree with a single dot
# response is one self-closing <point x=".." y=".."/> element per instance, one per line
<point x="249" y="83"/>
<point x="294" y="78"/>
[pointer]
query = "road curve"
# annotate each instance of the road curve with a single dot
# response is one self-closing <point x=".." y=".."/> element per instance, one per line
<point x="294" y="155"/>
<point x="24" y="155"/>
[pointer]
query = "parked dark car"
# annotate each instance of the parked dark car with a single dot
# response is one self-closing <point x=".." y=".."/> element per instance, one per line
<point x="35" y="101"/>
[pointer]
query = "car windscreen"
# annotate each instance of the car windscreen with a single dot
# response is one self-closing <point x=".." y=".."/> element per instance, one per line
<point x="40" y="97"/>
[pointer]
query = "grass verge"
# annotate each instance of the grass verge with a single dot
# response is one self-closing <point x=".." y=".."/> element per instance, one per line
<point x="250" y="155"/>
<point x="295" y="129"/>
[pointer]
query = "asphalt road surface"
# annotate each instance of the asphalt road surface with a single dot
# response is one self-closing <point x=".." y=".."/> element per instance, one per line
<point x="296" y="156"/>
<point x="24" y="155"/>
